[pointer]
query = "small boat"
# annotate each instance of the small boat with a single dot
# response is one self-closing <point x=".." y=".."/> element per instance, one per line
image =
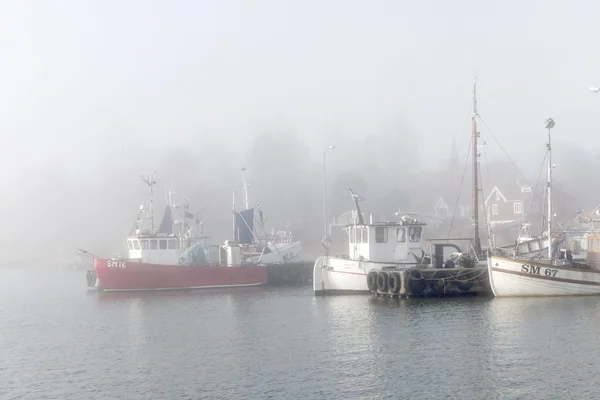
<point x="556" y="273"/>
<point x="257" y="246"/>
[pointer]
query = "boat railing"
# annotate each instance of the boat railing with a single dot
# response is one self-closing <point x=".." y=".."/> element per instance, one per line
<point x="275" y="238"/>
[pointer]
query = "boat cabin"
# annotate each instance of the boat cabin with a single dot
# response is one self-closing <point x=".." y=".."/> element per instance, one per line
<point x="154" y="249"/>
<point x="593" y="250"/>
<point x="386" y="241"/>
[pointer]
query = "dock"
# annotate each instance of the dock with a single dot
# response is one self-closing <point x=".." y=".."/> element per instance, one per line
<point x="290" y="273"/>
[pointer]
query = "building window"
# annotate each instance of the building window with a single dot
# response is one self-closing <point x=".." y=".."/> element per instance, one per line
<point x="381" y="234"/>
<point x="518" y="207"/>
<point x="401" y="235"/>
<point x="497" y="195"/>
<point x="494" y="209"/>
<point x="414" y="233"/>
<point x="162" y="244"/>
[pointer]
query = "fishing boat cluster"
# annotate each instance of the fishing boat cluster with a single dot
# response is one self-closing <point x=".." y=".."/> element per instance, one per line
<point x="385" y="258"/>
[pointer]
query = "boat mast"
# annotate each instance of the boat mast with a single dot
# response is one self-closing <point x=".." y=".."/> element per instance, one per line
<point x="549" y="125"/>
<point x="151" y="182"/>
<point x="245" y="183"/>
<point x="170" y="194"/>
<point x="477" y="243"/>
<point x="233" y="213"/>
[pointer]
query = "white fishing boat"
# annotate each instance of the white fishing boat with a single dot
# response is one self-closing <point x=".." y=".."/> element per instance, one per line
<point x="380" y="251"/>
<point x="556" y="274"/>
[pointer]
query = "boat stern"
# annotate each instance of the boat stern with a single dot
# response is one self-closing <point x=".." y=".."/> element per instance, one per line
<point x="320" y="277"/>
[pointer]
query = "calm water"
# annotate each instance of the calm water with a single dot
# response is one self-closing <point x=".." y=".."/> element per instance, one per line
<point x="58" y="341"/>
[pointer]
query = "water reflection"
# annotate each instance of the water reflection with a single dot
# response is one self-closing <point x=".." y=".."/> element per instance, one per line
<point x="350" y="343"/>
<point x="529" y="335"/>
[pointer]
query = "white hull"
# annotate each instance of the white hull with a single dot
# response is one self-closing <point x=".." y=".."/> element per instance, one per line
<point x="279" y="253"/>
<point x="331" y="275"/>
<point x="519" y="277"/>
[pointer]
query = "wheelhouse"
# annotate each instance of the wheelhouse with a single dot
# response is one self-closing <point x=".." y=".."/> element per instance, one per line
<point x="385" y="241"/>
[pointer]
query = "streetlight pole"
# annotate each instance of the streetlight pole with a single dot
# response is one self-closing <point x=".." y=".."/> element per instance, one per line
<point x="325" y="241"/>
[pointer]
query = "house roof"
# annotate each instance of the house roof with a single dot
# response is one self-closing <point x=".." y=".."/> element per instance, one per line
<point x="509" y="192"/>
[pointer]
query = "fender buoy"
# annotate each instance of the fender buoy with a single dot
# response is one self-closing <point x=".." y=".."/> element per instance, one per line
<point x="372" y="281"/>
<point x="89" y="277"/>
<point x="415" y="284"/>
<point x="394" y="282"/>
<point x="382" y="281"/>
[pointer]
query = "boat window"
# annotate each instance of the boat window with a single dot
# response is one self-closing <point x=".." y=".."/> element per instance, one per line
<point x="414" y="233"/>
<point x="130" y="245"/>
<point x="153" y="244"/>
<point x="172" y="244"/>
<point x="359" y="232"/>
<point x="136" y="245"/>
<point x="381" y="234"/>
<point x="352" y="235"/>
<point x="366" y="235"/>
<point x="401" y="235"/>
<point x="162" y="244"/>
<point x="144" y="244"/>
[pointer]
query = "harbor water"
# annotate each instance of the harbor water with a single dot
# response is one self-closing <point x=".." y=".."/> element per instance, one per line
<point x="60" y="341"/>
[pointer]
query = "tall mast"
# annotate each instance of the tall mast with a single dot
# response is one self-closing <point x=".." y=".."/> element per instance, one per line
<point x="151" y="182"/>
<point x="233" y="213"/>
<point x="475" y="135"/>
<point x="245" y="183"/>
<point x="171" y="208"/>
<point x="549" y="125"/>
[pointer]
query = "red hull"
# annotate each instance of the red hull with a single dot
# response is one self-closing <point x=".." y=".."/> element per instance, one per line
<point x="130" y="275"/>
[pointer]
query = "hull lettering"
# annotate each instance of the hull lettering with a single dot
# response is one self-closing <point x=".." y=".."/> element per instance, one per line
<point x="537" y="270"/>
<point x="116" y="264"/>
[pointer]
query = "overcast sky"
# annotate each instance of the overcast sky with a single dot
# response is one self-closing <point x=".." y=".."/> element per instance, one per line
<point x="78" y="74"/>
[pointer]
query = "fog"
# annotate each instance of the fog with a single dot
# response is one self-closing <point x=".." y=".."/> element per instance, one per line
<point x="96" y="93"/>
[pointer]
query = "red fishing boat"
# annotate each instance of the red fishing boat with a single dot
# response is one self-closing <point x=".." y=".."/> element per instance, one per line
<point x="174" y="256"/>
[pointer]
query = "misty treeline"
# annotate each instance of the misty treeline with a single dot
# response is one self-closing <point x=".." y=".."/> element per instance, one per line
<point x="60" y="207"/>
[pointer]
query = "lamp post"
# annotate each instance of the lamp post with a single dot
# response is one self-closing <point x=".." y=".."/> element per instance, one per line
<point x="325" y="241"/>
